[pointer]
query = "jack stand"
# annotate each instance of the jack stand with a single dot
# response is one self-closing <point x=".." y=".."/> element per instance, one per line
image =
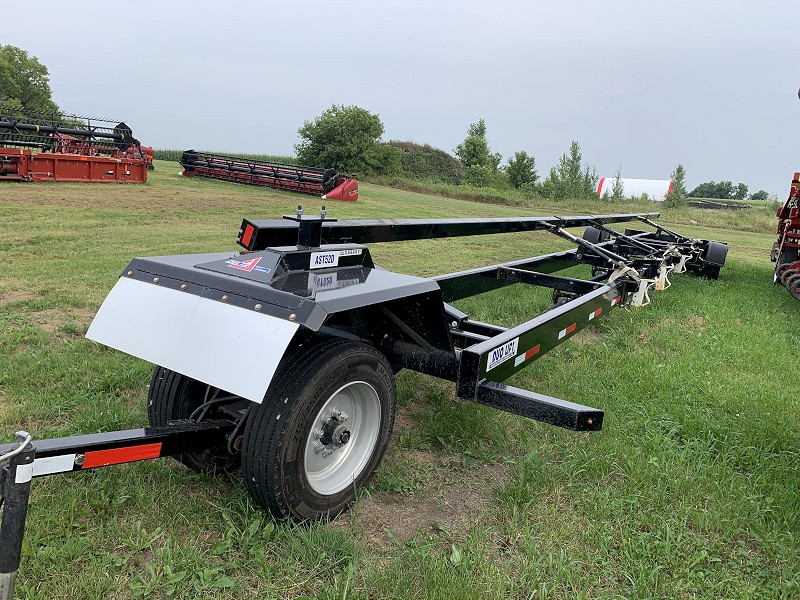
<point x="681" y="266"/>
<point x="640" y="296"/>
<point x="662" y="282"/>
<point x="16" y="476"/>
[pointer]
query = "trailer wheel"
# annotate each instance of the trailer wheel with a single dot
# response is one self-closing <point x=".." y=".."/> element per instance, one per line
<point x="595" y="235"/>
<point x="714" y="259"/>
<point x="321" y="430"/>
<point x="172" y="397"/>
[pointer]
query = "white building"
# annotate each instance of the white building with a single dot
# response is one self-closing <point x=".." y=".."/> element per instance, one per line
<point x="656" y="189"/>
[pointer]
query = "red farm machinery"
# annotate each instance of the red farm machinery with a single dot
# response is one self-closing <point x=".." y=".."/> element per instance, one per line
<point x="786" y="250"/>
<point x="70" y="148"/>
<point x="324" y="183"/>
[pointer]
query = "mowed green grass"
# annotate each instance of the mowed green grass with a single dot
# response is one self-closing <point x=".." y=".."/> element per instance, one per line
<point x="692" y="489"/>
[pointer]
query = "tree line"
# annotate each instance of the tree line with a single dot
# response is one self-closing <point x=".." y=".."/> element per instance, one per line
<point x="726" y="190"/>
<point x="349" y="139"/>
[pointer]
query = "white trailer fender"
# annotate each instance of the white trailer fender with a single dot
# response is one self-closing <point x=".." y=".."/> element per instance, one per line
<point x="198" y="337"/>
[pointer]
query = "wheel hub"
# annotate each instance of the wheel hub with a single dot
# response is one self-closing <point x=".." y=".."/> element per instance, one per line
<point x="335" y="432"/>
<point x="343" y="436"/>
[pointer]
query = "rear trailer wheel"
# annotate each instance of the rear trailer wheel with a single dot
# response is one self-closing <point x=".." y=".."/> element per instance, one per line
<point x="173" y="397"/>
<point x="321" y="430"/>
<point x="595" y="235"/>
<point x="714" y="259"/>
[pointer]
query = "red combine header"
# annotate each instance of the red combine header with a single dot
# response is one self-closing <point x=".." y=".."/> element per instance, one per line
<point x="325" y="183"/>
<point x="70" y="148"/>
<point x="786" y="250"/>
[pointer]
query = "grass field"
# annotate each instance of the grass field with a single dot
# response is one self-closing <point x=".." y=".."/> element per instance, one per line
<point x="692" y="489"/>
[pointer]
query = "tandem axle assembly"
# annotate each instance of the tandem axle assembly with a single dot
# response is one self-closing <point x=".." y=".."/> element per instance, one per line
<point x="308" y="415"/>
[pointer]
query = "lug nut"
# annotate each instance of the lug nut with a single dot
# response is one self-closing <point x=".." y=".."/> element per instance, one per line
<point x="327" y="452"/>
<point x="343" y="416"/>
<point x="318" y="447"/>
<point x="318" y="433"/>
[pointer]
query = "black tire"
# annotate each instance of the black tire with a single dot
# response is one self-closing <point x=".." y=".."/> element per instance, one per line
<point x="794" y="290"/>
<point x="172" y="397"/>
<point x="595" y="235"/>
<point x="279" y="434"/>
<point x="713" y="259"/>
<point x="784" y="273"/>
<point x="792" y="282"/>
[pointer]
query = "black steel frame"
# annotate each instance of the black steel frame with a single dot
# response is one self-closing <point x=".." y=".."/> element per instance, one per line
<point x="419" y="331"/>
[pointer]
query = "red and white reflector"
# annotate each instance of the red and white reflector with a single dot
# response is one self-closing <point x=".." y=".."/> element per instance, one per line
<point x="616" y="300"/>
<point x="595" y="313"/>
<point x="528" y="355"/>
<point x="566" y="331"/>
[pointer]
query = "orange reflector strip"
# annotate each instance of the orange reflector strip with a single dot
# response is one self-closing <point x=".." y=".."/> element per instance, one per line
<point x="116" y="456"/>
<point x="533" y="351"/>
<point x="571" y="328"/>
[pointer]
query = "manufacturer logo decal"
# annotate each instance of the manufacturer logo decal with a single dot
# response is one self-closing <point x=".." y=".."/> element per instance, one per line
<point x="502" y="353"/>
<point x="247" y="265"/>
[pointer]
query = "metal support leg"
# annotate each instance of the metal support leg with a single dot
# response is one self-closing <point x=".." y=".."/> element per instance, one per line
<point x="16" y="491"/>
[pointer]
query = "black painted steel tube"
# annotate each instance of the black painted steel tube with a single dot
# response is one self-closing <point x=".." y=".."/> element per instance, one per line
<point x="15" y="511"/>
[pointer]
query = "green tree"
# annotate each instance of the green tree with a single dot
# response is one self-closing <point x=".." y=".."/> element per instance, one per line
<point x="475" y="151"/>
<point x="740" y="193"/>
<point x="521" y="169"/>
<point x="24" y="82"/>
<point x="677" y="197"/>
<point x="346" y="138"/>
<point x="618" y="187"/>
<point x="570" y="178"/>
<point x="760" y="195"/>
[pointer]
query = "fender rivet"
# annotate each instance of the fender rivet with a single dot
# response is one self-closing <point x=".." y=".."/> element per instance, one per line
<point x="224" y="298"/>
<point x="129" y="273"/>
<point x="156" y="280"/>
<point x="257" y="307"/>
<point x="184" y="286"/>
<point x="292" y="317"/>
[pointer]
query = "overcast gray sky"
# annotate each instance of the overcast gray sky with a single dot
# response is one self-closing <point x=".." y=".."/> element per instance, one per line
<point x="644" y="85"/>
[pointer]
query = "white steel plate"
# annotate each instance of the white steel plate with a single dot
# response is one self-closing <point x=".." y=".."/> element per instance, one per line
<point x="228" y="347"/>
<point x="53" y="464"/>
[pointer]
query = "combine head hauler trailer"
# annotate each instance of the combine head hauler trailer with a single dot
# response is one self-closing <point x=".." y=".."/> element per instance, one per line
<point x="786" y="249"/>
<point x="307" y="415"/>
<point x="324" y="183"/>
<point x="72" y="148"/>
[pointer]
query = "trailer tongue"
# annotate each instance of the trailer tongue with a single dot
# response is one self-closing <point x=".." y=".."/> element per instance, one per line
<point x="308" y="414"/>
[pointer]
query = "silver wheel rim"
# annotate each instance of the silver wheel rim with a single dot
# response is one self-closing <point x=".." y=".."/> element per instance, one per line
<point x="332" y="467"/>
